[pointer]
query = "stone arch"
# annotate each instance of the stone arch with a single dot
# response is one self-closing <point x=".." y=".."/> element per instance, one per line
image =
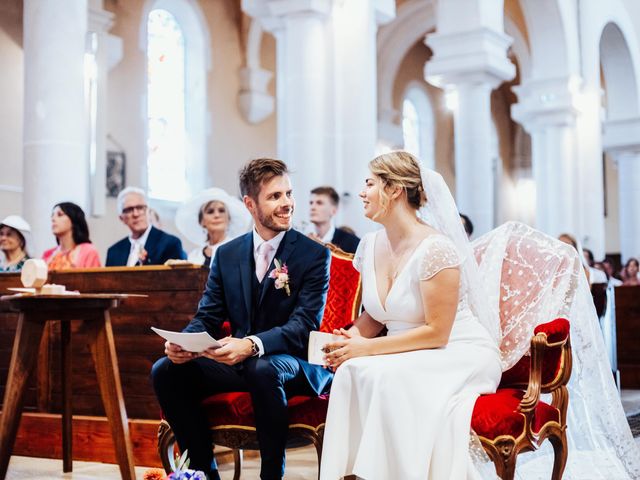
<point x="413" y="20"/>
<point x="619" y="74"/>
<point x="553" y="37"/>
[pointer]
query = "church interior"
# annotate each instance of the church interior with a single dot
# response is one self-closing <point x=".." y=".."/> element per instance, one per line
<point x="529" y="109"/>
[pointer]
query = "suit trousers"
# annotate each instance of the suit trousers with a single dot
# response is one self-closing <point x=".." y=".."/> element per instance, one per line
<point x="270" y="380"/>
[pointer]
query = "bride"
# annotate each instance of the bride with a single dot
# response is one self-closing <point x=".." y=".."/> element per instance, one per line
<point x="401" y="405"/>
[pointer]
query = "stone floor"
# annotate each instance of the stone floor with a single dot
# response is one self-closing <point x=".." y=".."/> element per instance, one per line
<point x="301" y="462"/>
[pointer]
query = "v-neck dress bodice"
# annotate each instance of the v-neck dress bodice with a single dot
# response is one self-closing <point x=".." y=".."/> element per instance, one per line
<point x="402" y="309"/>
<point x="408" y="415"/>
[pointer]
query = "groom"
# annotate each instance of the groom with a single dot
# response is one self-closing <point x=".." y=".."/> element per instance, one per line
<point x="270" y="324"/>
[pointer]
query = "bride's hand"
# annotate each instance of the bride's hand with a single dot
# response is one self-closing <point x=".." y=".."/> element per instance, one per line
<point x="343" y="332"/>
<point x="351" y="347"/>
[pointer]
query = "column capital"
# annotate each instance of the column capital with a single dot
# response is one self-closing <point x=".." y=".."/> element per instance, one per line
<point x="547" y="102"/>
<point x="467" y="57"/>
<point x="622" y="136"/>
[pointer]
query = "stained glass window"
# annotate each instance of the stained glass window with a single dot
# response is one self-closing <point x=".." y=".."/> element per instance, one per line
<point x="166" y="141"/>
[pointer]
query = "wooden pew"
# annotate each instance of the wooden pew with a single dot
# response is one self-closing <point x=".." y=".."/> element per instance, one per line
<point x="627" y="308"/>
<point x="173" y="295"/>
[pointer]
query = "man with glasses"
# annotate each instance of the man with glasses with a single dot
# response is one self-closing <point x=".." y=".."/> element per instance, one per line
<point x="146" y="245"/>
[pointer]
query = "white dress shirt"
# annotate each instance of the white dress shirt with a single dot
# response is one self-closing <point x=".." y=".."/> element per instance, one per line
<point x="274" y="243"/>
<point x="327" y="236"/>
<point x="137" y="245"/>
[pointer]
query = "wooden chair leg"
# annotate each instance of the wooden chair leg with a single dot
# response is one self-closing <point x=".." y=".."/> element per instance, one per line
<point x="237" y="463"/>
<point x="559" y="443"/>
<point x="166" y="445"/>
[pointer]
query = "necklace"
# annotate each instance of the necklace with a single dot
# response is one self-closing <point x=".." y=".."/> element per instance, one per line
<point x="396" y="262"/>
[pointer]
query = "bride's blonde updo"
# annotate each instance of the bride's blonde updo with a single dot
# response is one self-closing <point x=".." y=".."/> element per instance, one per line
<point x="399" y="169"/>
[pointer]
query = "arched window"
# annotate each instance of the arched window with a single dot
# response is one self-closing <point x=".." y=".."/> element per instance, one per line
<point x="176" y="48"/>
<point x="418" y="125"/>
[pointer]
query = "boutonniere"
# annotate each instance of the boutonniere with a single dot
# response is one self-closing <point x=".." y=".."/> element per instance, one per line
<point x="281" y="276"/>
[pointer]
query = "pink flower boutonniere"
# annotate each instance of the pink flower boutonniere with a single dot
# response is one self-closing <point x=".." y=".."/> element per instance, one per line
<point x="281" y="276"/>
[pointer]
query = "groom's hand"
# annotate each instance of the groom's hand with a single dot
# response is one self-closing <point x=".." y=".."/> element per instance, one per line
<point x="176" y="354"/>
<point x="233" y="350"/>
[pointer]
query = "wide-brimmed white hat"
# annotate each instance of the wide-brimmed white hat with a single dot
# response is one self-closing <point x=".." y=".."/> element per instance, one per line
<point x="20" y="224"/>
<point x="187" y="215"/>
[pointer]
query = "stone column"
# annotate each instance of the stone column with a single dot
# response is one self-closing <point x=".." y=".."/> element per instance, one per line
<point x="547" y="110"/>
<point x="470" y="59"/>
<point x="355" y="55"/>
<point x="622" y="140"/>
<point x="98" y="43"/>
<point x="302" y="78"/>
<point x="55" y="126"/>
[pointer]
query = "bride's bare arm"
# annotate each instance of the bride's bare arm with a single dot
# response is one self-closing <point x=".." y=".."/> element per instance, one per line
<point x="440" y="301"/>
<point x="364" y="326"/>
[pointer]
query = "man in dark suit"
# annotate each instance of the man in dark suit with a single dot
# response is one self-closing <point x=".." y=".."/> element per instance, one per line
<point x="323" y="206"/>
<point x="270" y="325"/>
<point x="146" y="245"/>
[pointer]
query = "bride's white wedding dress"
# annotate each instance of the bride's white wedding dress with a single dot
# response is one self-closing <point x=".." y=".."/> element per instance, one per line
<point x="407" y="415"/>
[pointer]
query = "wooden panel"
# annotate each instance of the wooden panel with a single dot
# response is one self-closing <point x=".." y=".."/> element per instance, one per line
<point x="173" y="296"/>
<point x="92" y="440"/>
<point x="627" y="302"/>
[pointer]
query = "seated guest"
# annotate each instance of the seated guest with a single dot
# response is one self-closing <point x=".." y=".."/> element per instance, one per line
<point x="323" y="206"/>
<point x="609" y="269"/>
<point x="210" y="219"/>
<point x="146" y="245"/>
<point x="630" y="272"/>
<point x="466" y="223"/>
<point x="74" y="249"/>
<point x="15" y="236"/>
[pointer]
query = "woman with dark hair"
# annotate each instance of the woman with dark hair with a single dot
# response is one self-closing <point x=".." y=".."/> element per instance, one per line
<point x="74" y="249"/>
<point x="630" y="272"/>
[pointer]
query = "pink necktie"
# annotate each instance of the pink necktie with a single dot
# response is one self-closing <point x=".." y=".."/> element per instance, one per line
<point x="262" y="262"/>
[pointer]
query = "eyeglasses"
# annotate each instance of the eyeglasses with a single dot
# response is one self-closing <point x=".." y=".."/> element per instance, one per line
<point x="138" y="208"/>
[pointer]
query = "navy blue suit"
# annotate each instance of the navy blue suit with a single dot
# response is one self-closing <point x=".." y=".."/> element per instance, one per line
<point x="281" y="321"/>
<point x="160" y="247"/>
<point x="345" y="240"/>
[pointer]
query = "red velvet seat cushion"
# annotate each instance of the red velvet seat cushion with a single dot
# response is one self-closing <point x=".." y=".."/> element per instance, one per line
<point x="497" y="414"/>
<point x="234" y="408"/>
<point x="556" y="331"/>
<point x="342" y="298"/>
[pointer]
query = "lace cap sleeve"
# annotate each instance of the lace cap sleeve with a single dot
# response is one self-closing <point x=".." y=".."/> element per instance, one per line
<point x="358" y="257"/>
<point x="440" y="253"/>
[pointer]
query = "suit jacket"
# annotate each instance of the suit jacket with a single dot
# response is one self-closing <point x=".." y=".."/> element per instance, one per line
<point x="281" y="321"/>
<point x="345" y="240"/>
<point x="160" y="247"/>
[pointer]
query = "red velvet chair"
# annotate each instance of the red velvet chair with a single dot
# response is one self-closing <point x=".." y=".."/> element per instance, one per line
<point x="515" y="419"/>
<point x="230" y="415"/>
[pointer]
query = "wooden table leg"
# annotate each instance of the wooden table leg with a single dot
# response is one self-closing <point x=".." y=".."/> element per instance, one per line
<point x="105" y="360"/>
<point x="23" y="356"/>
<point x="67" y="412"/>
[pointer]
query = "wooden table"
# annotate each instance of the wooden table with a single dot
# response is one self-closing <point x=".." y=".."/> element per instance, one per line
<point x="34" y="313"/>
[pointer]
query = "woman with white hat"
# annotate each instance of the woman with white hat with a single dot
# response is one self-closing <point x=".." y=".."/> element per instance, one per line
<point x="210" y="219"/>
<point x="15" y="237"/>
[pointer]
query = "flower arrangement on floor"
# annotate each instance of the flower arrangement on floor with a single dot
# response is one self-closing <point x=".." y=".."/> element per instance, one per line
<point x="182" y="471"/>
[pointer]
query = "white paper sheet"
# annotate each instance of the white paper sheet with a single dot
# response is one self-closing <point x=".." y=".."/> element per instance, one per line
<point x="317" y="341"/>
<point x="191" y="342"/>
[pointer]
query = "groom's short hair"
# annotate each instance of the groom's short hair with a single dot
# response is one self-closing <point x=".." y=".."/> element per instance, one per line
<point x="258" y="171"/>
